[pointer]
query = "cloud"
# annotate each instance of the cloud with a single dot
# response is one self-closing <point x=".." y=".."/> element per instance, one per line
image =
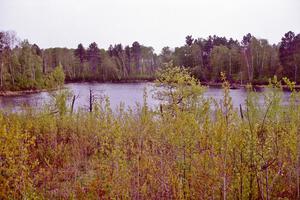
<point x="156" y="23"/>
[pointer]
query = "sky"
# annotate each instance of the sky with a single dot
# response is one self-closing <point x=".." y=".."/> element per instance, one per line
<point x="156" y="23"/>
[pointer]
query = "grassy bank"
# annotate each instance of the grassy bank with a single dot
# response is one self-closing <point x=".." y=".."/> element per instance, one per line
<point x="189" y="148"/>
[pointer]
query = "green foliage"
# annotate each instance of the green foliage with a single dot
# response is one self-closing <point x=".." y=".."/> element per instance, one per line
<point x="177" y="87"/>
<point x="17" y="163"/>
<point x="22" y="68"/>
<point x="56" y="78"/>
<point x="58" y="75"/>
<point x="253" y="60"/>
<point x="202" y="148"/>
<point x="59" y="102"/>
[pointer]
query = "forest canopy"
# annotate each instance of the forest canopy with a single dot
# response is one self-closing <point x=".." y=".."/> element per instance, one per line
<point x="252" y="60"/>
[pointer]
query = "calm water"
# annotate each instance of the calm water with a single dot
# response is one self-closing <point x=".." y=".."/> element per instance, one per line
<point x="128" y="93"/>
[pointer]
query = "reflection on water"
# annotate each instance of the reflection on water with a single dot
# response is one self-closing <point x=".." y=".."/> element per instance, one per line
<point x="128" y="93"/>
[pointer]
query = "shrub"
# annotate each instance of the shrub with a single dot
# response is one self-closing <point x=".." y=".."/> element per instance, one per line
<point x="201" y="149"/>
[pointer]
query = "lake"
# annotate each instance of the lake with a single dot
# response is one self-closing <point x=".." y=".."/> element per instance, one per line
<point x="128" y="93"/>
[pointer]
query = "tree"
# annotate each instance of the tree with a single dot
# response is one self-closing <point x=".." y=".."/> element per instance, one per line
<point x="80" y="53"/>
<point x="36" y="50"/>
<point x="217" y="41"/>
<point x="248" y="55"/>
<point x="118" y="54"/>
<point x="58" y="75"/>
<point x="220" y="61"/>
<point x="30" y="67"/>
<point x="147" y="60"/>
<point x="3" y="46"/>
<point x="109" y="68"/>
<point x="208" y="46"/>
<point x="189" y="40"/>
<point x="297" y="55"/>
<point x="196" y="52"/>
<point x="128" y="59"/>
<point x="166" y="55"/>
<point x="136" y="52"/>
<point x="7" y="44"/>
<point x="93" y="56"/>
<point x="176" y="86"/>
<point x="254" y="60"/>
<point x="289" y="54"/>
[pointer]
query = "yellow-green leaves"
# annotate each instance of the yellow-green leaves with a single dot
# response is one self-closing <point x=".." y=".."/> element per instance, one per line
<point x="176" y="88"/>
<point x="16" y="163"/>
<point x="187" y="150"/>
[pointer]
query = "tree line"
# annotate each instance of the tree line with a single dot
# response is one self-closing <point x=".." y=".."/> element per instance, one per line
<point x="21" y="66"/>
<point x="252" y="60"/>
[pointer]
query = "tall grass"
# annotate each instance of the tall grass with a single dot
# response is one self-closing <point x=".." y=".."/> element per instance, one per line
<point x="189" y="148"/>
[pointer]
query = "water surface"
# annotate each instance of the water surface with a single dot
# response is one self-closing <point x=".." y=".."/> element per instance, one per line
<point x="128" y="93"/>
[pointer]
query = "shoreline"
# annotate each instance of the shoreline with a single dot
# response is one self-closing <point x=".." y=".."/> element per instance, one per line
<point x="243" y="86"/>
<point x="6" y="93"/>
<point x="9" y="93"/>
<point x="120" y="81"/>
<point x="233" y="86"/>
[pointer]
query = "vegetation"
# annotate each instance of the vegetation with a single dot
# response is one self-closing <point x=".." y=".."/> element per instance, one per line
<point x="188" y="148"/>
<point x="253" y="60"/>
<point x="21" y="66"/>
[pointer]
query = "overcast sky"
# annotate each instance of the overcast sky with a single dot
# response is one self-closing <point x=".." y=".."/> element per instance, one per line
<point x="156" y="23"/>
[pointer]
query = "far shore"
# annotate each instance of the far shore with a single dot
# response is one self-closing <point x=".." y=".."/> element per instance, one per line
<point x="8" y="93"/>
<point x="113" y="81"/>
<point x="242" y="86"/>
<point x="209" y="84"/>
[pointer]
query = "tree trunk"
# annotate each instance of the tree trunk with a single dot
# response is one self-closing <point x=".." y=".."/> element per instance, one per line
<point x="11" y="74"/>
<point x="73" y="103"/>
<point x="257" y="63"/>
<point x="91" y="100"/>
<point x="295" y="75"/>
<point x="262" y="63"/>
<point x="247" y="63"/>
<point x="33" y="73"/>
<point x="44" y="66"/>
<point x="129" y="66"/>
<point x="252" y="68"/>
<point x="81" y="69"/>
<point x="230" y="64"/>
<point x="241" y="78"/>
<point x="1" y="75"/>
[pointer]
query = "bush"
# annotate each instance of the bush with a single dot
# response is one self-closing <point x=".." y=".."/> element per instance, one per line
<point x="55" y="79"/>
<point x="202" y="149"/>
